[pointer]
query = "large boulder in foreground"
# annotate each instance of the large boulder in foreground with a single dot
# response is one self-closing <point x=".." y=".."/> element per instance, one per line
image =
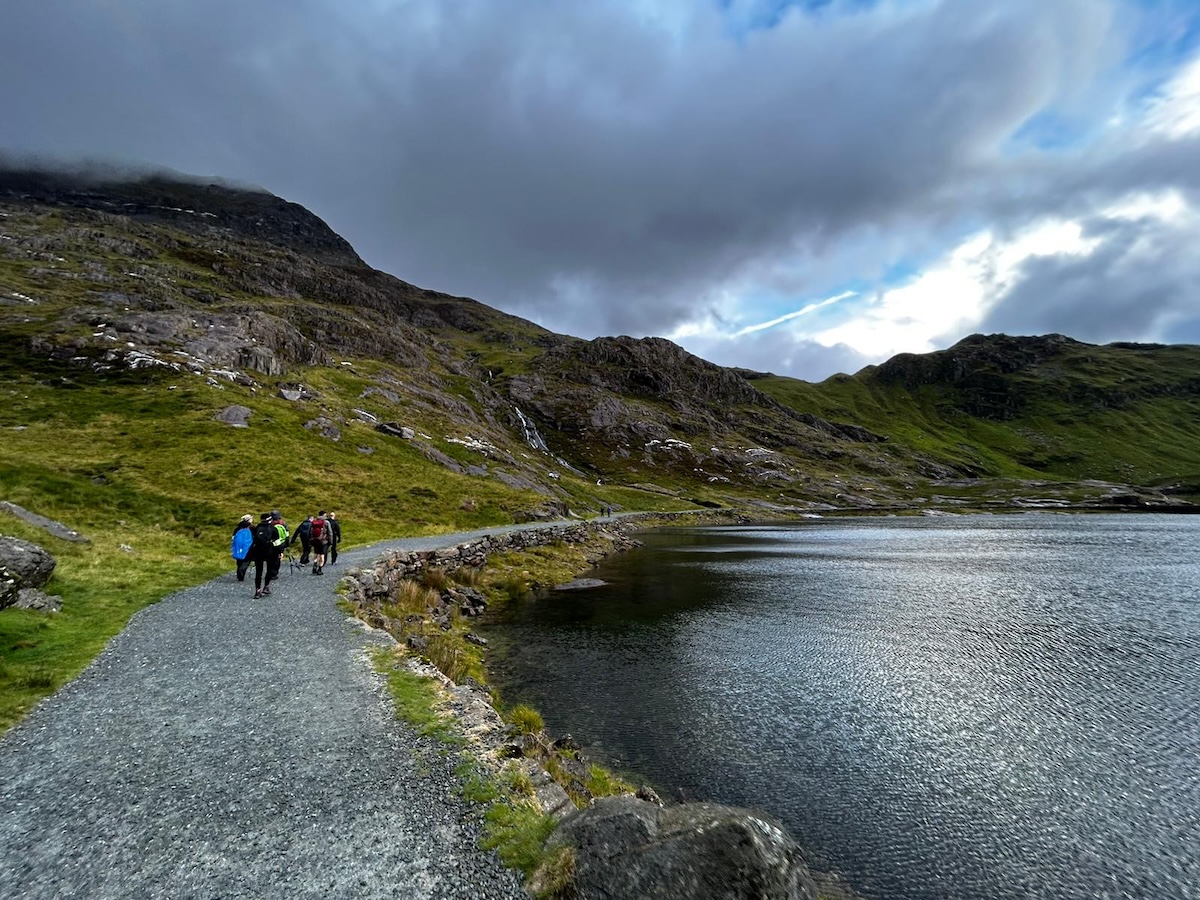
<point x="27" y="562"/>
<point x="625" y="847"/>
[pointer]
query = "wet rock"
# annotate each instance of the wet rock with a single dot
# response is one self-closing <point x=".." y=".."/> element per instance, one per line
<point x="580" y="584"/>
<point x="626" y="847"/>
<point x="647" y="793"/>
<point x="566" y="742"/>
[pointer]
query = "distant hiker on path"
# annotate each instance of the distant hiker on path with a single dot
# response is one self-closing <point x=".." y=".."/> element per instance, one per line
<point x="335" y="536"/>
<point x="304" y="533"/>
<point x="320" y="542"/>
<point x="243" y="537"/>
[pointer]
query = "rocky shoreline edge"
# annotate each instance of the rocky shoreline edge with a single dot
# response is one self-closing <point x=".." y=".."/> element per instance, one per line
<point x="626" y="845"/>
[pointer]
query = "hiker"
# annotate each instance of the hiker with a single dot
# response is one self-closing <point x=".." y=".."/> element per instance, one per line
<point x="304" y="533"/>
<point x="335" y="536"/>
<point x="320" y="542"/>
<point x="281" y="537"/>
<point x="262" y="551"/>
<point x="239" y="546"/>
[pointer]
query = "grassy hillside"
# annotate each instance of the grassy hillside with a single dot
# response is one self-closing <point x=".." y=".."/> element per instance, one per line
<point x="1125" y="413"/>
<point x="132" y="315"/>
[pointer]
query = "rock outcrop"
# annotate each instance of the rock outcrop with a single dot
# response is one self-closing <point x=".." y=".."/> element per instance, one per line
<point x="58" y="529"/>
<point x="27" y="562"/>
<point x="24" y="568"/>
<point x="626" y="847"/>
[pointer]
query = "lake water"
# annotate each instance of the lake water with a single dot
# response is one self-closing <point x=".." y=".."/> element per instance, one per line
<point x="972" y="708"/>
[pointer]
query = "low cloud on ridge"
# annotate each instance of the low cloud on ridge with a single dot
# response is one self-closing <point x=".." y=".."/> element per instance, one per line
<point x="605" y="171"/>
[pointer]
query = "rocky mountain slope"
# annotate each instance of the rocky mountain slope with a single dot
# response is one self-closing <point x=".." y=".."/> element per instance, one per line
<point x="234" y="297"/>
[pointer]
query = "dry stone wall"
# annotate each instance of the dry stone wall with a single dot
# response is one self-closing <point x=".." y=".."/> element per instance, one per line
<point x="371" y="585"/>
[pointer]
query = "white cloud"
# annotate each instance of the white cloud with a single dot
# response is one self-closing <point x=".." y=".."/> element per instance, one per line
<point x="950" y="299"/>
<point x="1175" y="112"/>
<point x="953" y="296"/>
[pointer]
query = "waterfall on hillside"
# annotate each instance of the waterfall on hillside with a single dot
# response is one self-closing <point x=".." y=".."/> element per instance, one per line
<point x="530" y="432"/>
<point x="534" y="439"/>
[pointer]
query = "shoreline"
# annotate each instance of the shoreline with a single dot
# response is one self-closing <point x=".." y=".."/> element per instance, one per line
<point x="472" y="705"/>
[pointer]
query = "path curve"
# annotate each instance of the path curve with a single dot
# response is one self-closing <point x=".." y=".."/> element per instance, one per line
<point x="222" y="746"/>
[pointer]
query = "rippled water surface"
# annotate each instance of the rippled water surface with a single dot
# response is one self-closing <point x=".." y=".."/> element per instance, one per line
<point x="977" y="707"/>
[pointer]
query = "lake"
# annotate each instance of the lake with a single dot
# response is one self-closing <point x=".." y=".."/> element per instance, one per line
<point x="977" y="707"/>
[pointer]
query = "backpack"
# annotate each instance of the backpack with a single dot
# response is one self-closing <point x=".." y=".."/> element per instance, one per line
<point x="318" y="531"/>
<point x="242" y="538"/>
<point x="264" y="537"/>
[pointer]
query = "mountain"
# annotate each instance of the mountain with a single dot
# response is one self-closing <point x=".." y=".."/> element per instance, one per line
<point x="135" y="313"/>
<point x="177" y="353"/>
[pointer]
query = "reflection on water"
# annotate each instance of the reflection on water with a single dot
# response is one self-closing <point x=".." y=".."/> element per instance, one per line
<point x="986" y="707"/>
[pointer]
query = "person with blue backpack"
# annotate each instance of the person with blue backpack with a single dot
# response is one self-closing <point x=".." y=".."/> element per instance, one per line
<point x="243" y="537"/>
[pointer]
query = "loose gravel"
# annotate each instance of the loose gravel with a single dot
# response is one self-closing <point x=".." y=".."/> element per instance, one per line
<point x="223" y="746"/>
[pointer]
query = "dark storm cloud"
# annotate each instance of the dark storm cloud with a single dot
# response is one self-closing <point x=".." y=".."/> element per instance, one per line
<point x="1141" y="280"/>
<point x="588" y="165"/>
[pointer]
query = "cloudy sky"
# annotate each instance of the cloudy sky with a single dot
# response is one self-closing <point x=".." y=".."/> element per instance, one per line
<point x="801" y="186"/>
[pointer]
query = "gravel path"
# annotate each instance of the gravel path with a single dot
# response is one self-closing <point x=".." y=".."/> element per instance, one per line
<point x="222" y="746"/>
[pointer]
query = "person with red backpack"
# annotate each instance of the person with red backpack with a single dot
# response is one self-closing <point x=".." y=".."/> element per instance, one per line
<point x="319" y="535"/>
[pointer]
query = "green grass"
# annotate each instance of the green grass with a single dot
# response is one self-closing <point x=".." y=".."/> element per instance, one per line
<point x="415" y="699"/>
<point x="525" y="719"/>
<point x="517" y="830"/>
<point x="513" y="825"/>
<point x="98" y="458"/>
<point x="1109" y="413"/>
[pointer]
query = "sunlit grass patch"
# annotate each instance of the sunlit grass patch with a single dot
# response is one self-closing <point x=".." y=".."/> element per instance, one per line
<point x="415" y="698"/>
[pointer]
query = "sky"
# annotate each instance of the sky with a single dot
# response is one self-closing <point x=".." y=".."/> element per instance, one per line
<point x="796" y="186"/>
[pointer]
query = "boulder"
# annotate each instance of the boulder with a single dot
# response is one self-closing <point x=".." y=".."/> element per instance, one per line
<point x="626" y="847"/>
<point x="326" y="427"/>
<point x="58" y="529"/>
<point x="237" y="416"/>
<point x="10" y="588"/>
<point x="396" y="430"/>
<point x="28" y="563"/>
<point x="32" y="598"/>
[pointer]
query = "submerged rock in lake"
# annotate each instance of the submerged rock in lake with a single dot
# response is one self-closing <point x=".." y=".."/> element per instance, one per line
<point x="580" y="584"/>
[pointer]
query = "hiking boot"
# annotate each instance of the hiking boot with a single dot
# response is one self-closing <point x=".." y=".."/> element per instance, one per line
<point x="314" y="568"/>
<point x="320" y="570"/>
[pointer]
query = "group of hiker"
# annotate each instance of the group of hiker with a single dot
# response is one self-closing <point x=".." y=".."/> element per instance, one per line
<point x="265" y="543"/>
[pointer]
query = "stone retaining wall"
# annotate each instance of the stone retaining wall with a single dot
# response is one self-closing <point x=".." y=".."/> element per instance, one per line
<point x="371" y="585"/>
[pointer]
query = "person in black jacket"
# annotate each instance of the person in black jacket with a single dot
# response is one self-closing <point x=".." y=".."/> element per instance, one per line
<point x="304" y="533"/>
<point x="263" y="552"/>
<point x="335" y="536"/>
